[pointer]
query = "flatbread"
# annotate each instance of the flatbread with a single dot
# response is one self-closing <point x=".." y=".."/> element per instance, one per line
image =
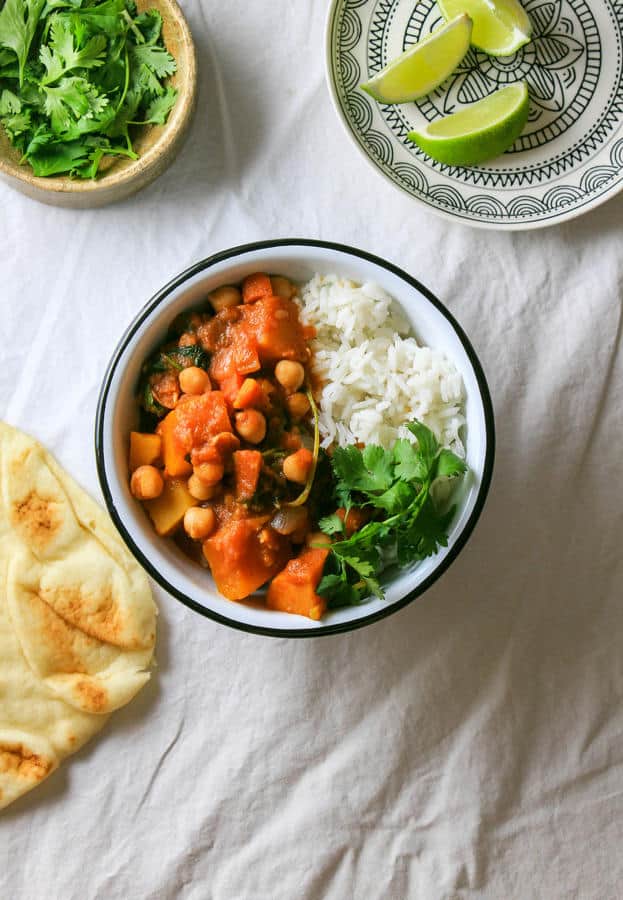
<point x="77" y="619"/>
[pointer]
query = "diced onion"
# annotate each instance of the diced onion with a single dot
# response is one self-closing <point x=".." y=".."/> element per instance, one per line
<point x="289" y="519"/>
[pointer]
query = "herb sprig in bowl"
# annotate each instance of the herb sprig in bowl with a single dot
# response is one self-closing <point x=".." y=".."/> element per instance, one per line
<point x="77" y="77"/>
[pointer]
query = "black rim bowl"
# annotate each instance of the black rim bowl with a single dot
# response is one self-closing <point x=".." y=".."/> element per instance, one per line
<point x="318" y="631"/>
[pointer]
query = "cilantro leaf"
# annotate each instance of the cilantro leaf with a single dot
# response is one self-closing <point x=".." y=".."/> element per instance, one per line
<point x="71" y="100"/>
<point x="409" y="465"/>
<point x="338" y="592"/>
<point x="426" y="441"/>
<point x="61" y="55"/>
<point x="157" y="59"/>
<point x="331" y="524"/>
<point x="159" y="109"/>
<point x="396" y="498"/>
<point x="17" y="124"/>
<point x="406" y="524"/>
<point x="149" y="24"/>
<point x="366" y="471"/>
<point x="57" y="157"/>
<point x="18" y="24"/>
<point x="9" y="103"/>
<point x="449" y="465"/>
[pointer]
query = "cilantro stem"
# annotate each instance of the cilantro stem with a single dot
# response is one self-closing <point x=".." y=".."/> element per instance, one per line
<point x="302" y="497"/>
<point x="138" y="34"/>
<point x="126" y="82"/>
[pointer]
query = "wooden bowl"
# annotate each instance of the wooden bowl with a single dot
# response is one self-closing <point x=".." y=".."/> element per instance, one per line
<point x="157" y="145"/>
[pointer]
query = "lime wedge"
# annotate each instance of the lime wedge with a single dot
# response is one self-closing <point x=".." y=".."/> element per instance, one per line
<point x="501" y="27"/>
<point x="480" y="131"/>
<point x="423" y="67"/>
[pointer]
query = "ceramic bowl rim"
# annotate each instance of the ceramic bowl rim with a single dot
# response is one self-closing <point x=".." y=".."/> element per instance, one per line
<point x="159" y="299"/>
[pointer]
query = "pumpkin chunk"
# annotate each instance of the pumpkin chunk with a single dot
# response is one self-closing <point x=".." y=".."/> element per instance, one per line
<point x="277" y="329"/>
<point x="173" y="450"/>
<point x="256" y="286"/>
<point x="294" y="589"/>
<point x="243" y="555"/>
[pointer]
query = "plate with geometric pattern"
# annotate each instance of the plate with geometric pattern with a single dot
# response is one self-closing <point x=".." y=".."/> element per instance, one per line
<point x="569" y="157"/>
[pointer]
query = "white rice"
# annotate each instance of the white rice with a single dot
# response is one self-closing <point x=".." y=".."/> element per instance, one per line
<point x="376" y="376"/>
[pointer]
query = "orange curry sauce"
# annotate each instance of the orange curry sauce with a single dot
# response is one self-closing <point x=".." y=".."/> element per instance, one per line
<point x="231" y="451"/>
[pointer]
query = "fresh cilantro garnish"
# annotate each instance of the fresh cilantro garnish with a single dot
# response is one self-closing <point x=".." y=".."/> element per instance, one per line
<point x="76" y="76"/>
<point x="406" y="525"/>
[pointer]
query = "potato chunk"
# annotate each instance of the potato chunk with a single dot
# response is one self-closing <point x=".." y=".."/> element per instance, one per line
<point x="167" y="511"/>
<point x="145" y="449"/>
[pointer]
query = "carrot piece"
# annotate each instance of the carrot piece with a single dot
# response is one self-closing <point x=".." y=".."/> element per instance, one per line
<point x="293" y="590"/>
<point x="247" y="468"/>
<point x="230" y="385"/>
<point x="256" y="286"/>
<point x="250" y="394"/>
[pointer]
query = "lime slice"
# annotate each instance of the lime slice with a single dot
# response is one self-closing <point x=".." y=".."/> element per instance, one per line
<point x="501" y="27"/>
<point x="423" y="67"/>
<point x="480" y="131"/>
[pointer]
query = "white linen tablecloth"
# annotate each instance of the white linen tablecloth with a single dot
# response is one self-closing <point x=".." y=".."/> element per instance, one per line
<point x="468" y="746"/>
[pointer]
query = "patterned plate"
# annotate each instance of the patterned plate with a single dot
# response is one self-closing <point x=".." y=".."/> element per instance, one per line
<point x="570" y="156"/>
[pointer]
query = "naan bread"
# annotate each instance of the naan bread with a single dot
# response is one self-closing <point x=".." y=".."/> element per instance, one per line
<point x="77" y="619"/>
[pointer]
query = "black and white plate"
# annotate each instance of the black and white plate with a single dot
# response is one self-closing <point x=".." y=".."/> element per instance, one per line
<point x="570" y="155"/>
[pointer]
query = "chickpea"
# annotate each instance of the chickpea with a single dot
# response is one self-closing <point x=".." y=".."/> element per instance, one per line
<point x="251" y="426"/>
<point x="298" y="405"/>
<point x="296" y="467"/>
<point x="209" y="473"/>
<point x="200" y="490"/>
<point x="199" y="522"/>
<point x="317" y="539"/>
<point x="225" y="297"/>
<point x="146" y="483"/>
<point x="194" y="380"/>
<point x="290" y="375"/>
<point x="281" y="286"/>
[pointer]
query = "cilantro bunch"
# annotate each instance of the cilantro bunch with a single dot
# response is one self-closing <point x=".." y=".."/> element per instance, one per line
<point x="407" y="524"/>
<point x="76" y="76"/>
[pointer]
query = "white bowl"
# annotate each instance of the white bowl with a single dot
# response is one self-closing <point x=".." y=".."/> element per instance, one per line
<point x="117" y="415"/>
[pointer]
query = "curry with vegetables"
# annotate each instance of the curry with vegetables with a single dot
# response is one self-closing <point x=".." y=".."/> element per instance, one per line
<point x="228" y="461"/>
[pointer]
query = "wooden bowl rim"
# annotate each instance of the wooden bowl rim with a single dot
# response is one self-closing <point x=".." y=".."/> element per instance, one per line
<point x="175" y="124"/>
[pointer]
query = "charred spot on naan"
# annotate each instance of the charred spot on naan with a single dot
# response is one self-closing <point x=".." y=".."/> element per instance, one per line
<point x="93" y="696"/>
<point x="96" y="613"/>
<point x="57" y="636"/>
<point x="19" y="761"/>
<point x="38" y="518"/>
